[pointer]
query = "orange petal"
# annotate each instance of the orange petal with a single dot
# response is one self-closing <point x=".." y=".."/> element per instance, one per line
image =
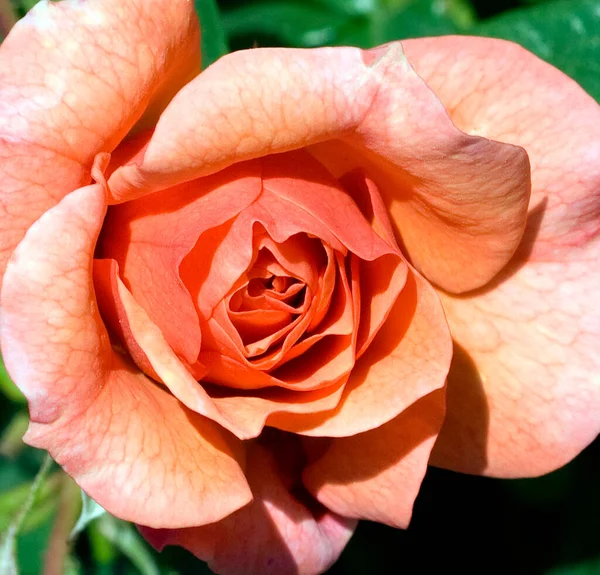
<point x="75" y="77"/>
<point x="133" y="447"/>
<point x="376" y="475"/>
<point x="524" y="391"/>
<point x="382" y="279"/>
<point x="408" y="359"/>
<point x="252" y="411"/>
<point x="161" y="231"/>
<point x="458" y="201"/>
<point x="145" y="340"/>
<point x="277" y="534"/>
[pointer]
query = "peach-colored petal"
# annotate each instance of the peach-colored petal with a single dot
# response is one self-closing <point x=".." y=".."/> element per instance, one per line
<point x="376" y="475"/>
<point x="133" y="447"/>
<point x="458" y="201"/>
<point x="381" y="279"/>
<point x="74" y="78"/>
<point x="146" y="340"/>
<point x="408" y="359"/>
<point x="278" y="534"/>
<point x="524" y="393"/>
<point x="252" y="411"/>
<point x="160" y="232"/>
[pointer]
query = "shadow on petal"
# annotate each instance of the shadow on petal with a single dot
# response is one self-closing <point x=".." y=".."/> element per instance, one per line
<point x="464" y="435"/>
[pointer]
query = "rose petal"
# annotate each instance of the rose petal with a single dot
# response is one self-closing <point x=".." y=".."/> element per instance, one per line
<point x="382" y="279"/>
<point x="458" y="201"/>
<point x="146" y="340"/>
<point x="376" y="475"/>
<point x="277" y="534"/>
<point x="161" y="231"/>
<point x="408" y="359"/>
<point x="75" y="77"/>
<point x="130" y="445"/>
<point x="524" y="393"/>
<point x="252" y="411"/>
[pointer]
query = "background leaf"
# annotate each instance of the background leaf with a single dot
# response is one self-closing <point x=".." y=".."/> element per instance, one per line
<point x="564" y="33"/>
<point x="214" y="43"/>
<point x="90" y="510"/>
<point x="289" y="23"/>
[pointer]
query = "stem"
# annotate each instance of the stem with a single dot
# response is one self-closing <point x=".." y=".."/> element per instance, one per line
<point x="35" y="487"/>
<point x="66" y="516"/>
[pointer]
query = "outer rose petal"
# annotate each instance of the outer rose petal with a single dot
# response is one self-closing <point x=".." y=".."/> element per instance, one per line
<point x="460" y="223"/>
<point x="275" y="535"/>
<point x="524" y="393"/>
<point x="134" y="448"/>
<point x="74" y="78"/>
<point x="376" y="475"/>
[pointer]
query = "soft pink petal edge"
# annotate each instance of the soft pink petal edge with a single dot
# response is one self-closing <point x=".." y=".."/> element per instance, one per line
<point x="277" y="534"/>
<point x="75" y="77"/>
<point x="134" y="448"/>
<point x="524" y="391"/>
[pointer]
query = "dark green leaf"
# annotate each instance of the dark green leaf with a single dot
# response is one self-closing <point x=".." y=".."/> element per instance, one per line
<point x="293" y="23"/>
<point x="591" y="567"/>
<point x="128" y="541"/>
<point x="565" y="33"/>
<point x="408" y="20"/>
<point x="8" y="536"/>
<point x="214" y="44"/>
<point x="350" y="7"/>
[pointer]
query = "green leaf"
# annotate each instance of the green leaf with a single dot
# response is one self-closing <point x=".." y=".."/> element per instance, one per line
<point x="564" y="33"/>
<point x="292" y="23"/>
<point x="11" y="440"/>
<point x="8" y="538"/>
<point x="90" y="510"/>
<point x="8" y="387"/>
<point x="128" y="541"/>
<point x="42" y="505"/>
<point x="591" y="567"/>
<point x="350" y="7"/>
<point x="214" y="44"/>
<point x="408" y="20"/>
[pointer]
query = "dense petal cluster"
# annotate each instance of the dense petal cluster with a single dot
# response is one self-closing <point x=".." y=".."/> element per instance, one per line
<point x="248" y="306"/>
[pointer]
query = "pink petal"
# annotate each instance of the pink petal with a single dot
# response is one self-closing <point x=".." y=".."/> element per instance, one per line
<point x="376" y="475"/>
<point x="458" y="201"/>
<point x="75" y="77"/>
<point x="277" y="534"/>
<point x="524" y="393"/>
<point x="133" y="447"/>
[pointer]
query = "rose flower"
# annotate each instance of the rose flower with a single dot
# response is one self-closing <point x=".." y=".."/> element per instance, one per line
<point x="248" y="306"/>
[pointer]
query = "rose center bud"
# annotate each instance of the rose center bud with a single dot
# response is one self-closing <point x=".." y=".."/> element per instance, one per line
<point x="269" y="274"/>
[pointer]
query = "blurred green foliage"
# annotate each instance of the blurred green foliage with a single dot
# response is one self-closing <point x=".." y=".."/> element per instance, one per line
<point x="544" y="526"/>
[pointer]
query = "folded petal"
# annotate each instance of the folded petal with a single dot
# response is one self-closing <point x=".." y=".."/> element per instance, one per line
<point x="280" y="533"/>
<point x="74" y="79"/>
<point x="148" y="344"/>
<point x="524" y="391"/>
<point x="458" y="201"/>
<point x="161" y="230"/>
<point x="376" y="475"/>
<point x="128" y="443"/>
<point x="408" y="359"/>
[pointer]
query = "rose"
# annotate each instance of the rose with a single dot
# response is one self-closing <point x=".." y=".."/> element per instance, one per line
<point x="392" y="137"/>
